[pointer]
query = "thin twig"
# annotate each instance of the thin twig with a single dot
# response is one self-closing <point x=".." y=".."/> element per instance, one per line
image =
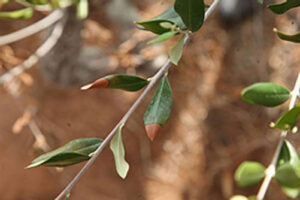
<point x="154" y="80"/>
<point x="40" y="140"/>
<point x="40" y="52"/>
<point x="32" y="29"/>
<point x="271" y="170"/>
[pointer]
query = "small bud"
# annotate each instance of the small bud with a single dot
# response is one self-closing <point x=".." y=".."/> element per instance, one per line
<point x="287" y="126"/>
<point x="272" y="124"/>
<point x="166" y="25"/>
<point x="295" y="129"/>
<point x="152" y="131"/>
<point x="100" y="83"/>
<point x="91" y="154"/>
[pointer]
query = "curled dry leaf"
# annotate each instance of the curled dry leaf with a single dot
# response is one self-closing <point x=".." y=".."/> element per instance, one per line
<point x="100" y="83"/>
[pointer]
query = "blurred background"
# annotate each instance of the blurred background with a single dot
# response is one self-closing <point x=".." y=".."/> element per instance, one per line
<point x="211" y="130"/>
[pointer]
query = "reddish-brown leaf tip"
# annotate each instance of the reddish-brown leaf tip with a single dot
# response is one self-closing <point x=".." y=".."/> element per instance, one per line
<point x="152" y="130"/>
<point x="100" y="83"/>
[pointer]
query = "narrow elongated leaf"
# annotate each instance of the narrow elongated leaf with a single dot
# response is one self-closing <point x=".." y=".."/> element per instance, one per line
<point x="159" y="109"/>
<point x="117" y="147"/>
<point x="71" y="153"/>
<point x="18" y="14"/>
<point x="192" y="13"/>
<point x="291" y="38"/>
<point x="82" y="9"/>
<point x="175" y="52"/>
<point x="266" y="94"/>
<point x="291" y="192"/>
<point x="249" y="174"/>
<point x="154" y="24"/>
<point x="163" y="37"/>
<point x="285" y="6"/>
<point x="288" y="119"/>
<point x="118" y="81"/>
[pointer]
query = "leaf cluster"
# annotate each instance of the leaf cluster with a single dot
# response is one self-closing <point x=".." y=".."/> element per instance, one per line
<point x="281" y="8"/>
<point x="288" y="164"/>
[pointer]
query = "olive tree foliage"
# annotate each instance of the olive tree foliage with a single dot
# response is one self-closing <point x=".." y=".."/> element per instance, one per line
<point x="183" y="19"/>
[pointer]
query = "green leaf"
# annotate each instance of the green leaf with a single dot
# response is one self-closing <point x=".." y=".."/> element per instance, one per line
<point x="192" y="13"/>
<point x="117" y="147"/>
<point x="260" y="1"/>
<point x="71" y="153"/>
<point x="154" y="24"/>
<point x="291" y="192"/>
<point x="293" y="154"/>
<point x="38" y="2"/>
<point x="175" y="52"/>
<point x="18" y="14"/>
<point x="163" y="37"/>
<point x="285" y="154"/>
<point x="160" y="107"/>
<point x="288" y="167"/>
<point x="266" y="94"/>
<point x="285" y="6"/>
<point x="126" y="82"/>
<point x="82" y="9"/>
<point x="286" y="175"/>
<point x="289" y="155"/>
<point x="291" y="38"/>
<point x="288" y="119"/>
<point x="249" y="174"/>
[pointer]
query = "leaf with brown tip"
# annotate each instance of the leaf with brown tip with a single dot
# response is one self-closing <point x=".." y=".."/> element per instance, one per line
<point x="119" y="81"/>
<point x="159" y="109"/>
